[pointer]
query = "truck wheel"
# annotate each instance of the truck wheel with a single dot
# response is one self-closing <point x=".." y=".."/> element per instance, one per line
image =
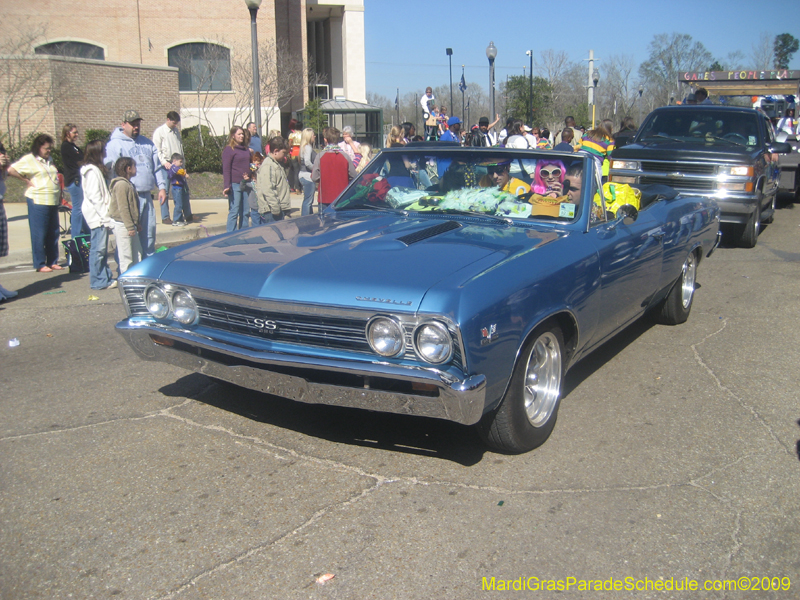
<point x="678" y="303"/>
<point x="773" y="207"/>
<point x="749" y="237"/>
<point x="527" y="414"/>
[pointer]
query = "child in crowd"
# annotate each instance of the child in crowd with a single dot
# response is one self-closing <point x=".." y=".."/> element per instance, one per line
<point x="248" y="183"/>
<point x="566" y="141"/>
<point x="180" y="192"/>
<point x="124" y="210"/>
<point x="272" y="186"/>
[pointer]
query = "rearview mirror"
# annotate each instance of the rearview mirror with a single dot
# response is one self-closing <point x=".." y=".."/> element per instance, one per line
<point x="628" y="213"/>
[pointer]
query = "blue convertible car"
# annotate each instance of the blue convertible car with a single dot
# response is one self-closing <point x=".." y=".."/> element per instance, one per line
<point x="457" y="283"/>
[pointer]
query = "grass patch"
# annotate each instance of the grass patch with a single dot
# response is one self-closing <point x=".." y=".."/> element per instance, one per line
<point x="201" y="185"/>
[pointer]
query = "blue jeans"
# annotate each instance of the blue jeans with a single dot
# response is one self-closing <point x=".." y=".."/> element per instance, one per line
<point x="309" y="187"/>
<point x="256" y="218"/>
<point x="79" y="226"/>
<point x="237" y="201"/>
<point x="165" y="206"/>
<point x="147" y="221"/>
<point x="100" y="275"/>
<point x="43" y="223"/>
<point x="183" y="209"/>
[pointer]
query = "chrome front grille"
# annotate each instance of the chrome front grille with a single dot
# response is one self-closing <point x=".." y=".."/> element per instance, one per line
<point x="326" y="332"/>
<point x="308" y="328"/>
<point x="680" y="184"/>
<point x="679" y="167"/>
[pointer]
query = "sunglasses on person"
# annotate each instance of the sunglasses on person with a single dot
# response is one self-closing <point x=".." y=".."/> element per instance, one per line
<point x="498" y="169"/>
<point x="549" y="172"/>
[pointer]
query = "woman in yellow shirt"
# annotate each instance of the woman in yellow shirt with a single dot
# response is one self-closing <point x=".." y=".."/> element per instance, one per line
<point x="43" y="194"/>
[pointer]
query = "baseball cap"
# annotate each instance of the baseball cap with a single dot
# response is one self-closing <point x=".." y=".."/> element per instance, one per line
<point x="453" y="121"/>
<point x="130" y="116"/>
<point x="526" y="128"/>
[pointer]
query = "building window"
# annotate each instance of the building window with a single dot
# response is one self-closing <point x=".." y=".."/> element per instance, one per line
<point x="201" y="67"/>
<point x="72" y="49"/>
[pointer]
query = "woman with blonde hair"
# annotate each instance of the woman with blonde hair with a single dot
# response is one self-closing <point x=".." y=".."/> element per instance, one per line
<point x="306" y="158"/>
<point x="395" y="137"/>
<point x="235" y="165"/>
<point x="366" y="156"/>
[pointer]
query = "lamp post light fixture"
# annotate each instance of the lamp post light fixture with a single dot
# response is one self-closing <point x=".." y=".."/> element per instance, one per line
<point x="595" y="80"/>
<point x="491" y="54"/>
<point x="252" y="6"/>
<point x="450" y="58"/>
<point x="530" y="91"/>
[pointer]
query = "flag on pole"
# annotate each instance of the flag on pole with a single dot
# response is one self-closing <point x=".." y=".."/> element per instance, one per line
<point x="397" y="100"/>
<point x="463" y="84"/>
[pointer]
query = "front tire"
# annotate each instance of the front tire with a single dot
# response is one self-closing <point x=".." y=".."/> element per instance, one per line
<point x="678" y="303"/>
<point x="527" y="414"/>
<point x="749" y="237"/>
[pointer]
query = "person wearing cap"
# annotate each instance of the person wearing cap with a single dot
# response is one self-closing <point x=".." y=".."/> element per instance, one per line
<point x="484" y="137"/>
<point x="499" y="174"/>
<point x="453" y="133"/>
<point x="150" y="173"/>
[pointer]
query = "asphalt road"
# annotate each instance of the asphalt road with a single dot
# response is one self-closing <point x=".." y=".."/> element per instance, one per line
<point x="675" y="456"/>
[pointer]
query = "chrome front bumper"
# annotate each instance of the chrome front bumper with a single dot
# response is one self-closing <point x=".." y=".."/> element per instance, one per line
<point x="461" y="401"/>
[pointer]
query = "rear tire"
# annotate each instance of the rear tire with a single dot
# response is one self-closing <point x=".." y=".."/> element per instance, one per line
<point x="527" y="414"/>
<point x="678" y="303"/>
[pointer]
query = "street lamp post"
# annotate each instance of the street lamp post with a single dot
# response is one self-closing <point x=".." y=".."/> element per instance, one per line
<point x="491" y="54"/>
<point x="530" y="92"/>
<point x="595" y="79"/>
<point x="450" y="58"/>
<point x="253" y="5"/>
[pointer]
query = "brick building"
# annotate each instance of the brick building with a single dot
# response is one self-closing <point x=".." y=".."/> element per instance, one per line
<point x="306" y="47"/>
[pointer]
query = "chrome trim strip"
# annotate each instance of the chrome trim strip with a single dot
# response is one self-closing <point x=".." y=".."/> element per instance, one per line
<point x="461" y="401"/>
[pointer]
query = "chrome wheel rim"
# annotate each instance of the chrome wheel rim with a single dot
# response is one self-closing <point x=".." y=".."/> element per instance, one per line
<point x="542" y="379"/>
<point x="688" y="280"/>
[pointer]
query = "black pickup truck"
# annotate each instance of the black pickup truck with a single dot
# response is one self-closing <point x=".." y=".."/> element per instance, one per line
<point x="726" y="153"/>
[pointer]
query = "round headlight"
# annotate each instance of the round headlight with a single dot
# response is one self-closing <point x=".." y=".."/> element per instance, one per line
<point x="184" y="310"/>
<point x="385" y="336"/>
<point x="433" y="342"/>
<point x="157" y="302"/>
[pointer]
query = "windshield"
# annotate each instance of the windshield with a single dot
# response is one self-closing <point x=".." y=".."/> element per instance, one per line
<point x="701" y="126"/>
<point x="539" y="185"/>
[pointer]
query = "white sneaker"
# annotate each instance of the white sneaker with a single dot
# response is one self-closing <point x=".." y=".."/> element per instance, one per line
<point x="111" y="285"/>
<point x="179" y="223"/>
<point x="7" y="293"/>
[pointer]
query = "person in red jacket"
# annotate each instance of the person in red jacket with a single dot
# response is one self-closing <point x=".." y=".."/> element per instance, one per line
<point x="332" y="169"/>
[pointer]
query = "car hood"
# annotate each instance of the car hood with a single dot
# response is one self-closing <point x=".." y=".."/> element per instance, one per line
<point x="375" y="260"/>
<point x="682" y="151"/>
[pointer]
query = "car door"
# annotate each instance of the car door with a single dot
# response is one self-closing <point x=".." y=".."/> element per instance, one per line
<point x="630" y="256"/>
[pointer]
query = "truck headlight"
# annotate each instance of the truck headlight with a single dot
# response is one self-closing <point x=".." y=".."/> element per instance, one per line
<point x="385" y="336"/>
<point x="622" y="179"/>
<point x="184" y="309"/>
<point x="625" y="164"/>
<point x="433" y="343"/>
<point x="738" y="171"/>
<point x="157" y="302"/>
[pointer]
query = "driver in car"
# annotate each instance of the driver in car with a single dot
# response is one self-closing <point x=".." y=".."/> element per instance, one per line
<point x="498" y="175"/>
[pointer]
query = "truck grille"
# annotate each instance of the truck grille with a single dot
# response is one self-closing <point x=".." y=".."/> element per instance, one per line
<point x="672" y="167"/>
<point x="680" y="184"/>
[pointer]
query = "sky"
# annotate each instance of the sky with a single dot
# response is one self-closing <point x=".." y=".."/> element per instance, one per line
<point x="405" y="41"/>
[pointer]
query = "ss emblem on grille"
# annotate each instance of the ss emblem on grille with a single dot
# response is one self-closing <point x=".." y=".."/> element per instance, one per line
<point x="265" y="324"/>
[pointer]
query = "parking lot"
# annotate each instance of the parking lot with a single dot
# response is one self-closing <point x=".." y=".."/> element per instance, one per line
<point x="675" y="458"/>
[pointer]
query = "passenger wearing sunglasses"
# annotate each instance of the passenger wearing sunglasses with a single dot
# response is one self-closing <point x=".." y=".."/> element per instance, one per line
<point x="549" y="178"/>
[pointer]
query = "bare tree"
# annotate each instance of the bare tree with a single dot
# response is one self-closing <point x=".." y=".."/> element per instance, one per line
<point x="205" y="68"/>
<point x="761" y="52"/>
<point x="29" y="85"/>
<point x="283" y="76"/>
<point x="670" y="57"/>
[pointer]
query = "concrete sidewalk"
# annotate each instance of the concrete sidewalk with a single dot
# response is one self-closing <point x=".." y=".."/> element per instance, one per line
<point x="210" y="215"/>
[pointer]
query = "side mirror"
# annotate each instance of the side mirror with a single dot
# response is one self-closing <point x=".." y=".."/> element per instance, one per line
<point x="781" y="148"/>
<point x="628" y="213"/>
